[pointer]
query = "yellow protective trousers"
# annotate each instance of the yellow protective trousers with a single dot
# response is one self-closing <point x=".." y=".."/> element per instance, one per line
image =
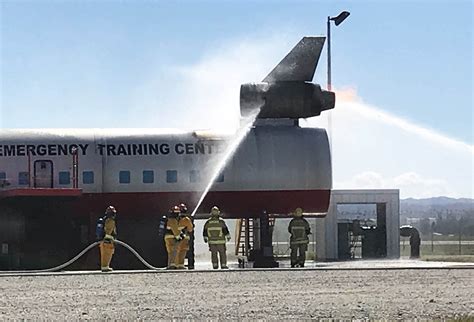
<point x="106" y="252"/>
<point x="182" y="249"/>
<point x="172" y="250"/>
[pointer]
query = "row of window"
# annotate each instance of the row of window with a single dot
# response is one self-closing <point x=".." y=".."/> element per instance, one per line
<point x="23" y="177"/>
<point x="148" y="176"/>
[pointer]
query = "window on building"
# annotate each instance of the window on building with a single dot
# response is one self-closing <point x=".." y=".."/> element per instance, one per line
<point x="65" y="177"/>
<point x="3" y="175"/>
<point x="194" y="176"/>
<point x="220" y="178"/>
<point x="23" y="178"/>
<point x="124" y="177"/>
<point x="171" y="176"/>
<point x="148" y="176"/>
<point x="88" y="177"/>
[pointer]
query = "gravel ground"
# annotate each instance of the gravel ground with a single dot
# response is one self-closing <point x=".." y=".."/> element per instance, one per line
<point x="303" y="294"/>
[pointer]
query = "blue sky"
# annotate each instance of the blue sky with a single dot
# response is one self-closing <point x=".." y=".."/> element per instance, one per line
<point x="415" y="58"/>
<point x="166" y="64"/>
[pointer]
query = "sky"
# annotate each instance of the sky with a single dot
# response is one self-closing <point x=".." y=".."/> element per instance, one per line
<point x="402" y="71"/>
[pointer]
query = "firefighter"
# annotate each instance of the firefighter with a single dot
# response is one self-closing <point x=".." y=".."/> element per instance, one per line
<point x="185" y="227"/>
<point x="216" y="234"/>
<point x="106" y="246"/>
<point x="299" y="230"/>
<point x="178" y="228"/>
<point x="172" y="236"/>
<point x="190" y="254"/>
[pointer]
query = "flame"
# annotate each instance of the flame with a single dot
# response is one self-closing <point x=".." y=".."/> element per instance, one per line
<point x="347" y="94"/>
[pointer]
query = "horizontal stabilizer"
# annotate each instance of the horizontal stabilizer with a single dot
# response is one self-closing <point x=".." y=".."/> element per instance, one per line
<point x="300" y="63"/>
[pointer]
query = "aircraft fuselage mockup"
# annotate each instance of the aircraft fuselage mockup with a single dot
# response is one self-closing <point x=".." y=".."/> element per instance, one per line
<point x="278" y="167"/>
<point x="54" y="184"/>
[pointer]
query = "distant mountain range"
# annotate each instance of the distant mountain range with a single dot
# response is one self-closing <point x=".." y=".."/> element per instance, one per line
<point x="437" y="205"/>
<point x="437" y="201"/>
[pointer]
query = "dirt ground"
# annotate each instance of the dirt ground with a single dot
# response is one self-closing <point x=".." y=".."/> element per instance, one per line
<point x="296" y="294"/>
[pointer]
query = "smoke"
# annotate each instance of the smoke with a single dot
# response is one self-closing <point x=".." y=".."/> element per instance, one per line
<point x="371" y="147"/>
<point x="205" y="94"/>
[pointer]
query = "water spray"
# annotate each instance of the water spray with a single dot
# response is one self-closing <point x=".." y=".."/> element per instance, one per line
<point x="244" y="129"/>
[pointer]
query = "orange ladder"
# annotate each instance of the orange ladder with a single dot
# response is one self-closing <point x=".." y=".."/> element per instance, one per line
<point x="243" y="236"/>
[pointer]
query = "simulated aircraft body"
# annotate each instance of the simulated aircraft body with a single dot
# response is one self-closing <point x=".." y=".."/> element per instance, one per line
<point x="51" y="178"/>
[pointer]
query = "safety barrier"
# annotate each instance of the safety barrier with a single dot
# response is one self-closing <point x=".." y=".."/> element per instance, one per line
<point x="60" y="267"/>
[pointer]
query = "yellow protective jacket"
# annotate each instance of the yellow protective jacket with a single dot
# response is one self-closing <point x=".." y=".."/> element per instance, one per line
<point x="176" y="226"/>
<point x="215" y="230"/>
<point x="110" y="229"/>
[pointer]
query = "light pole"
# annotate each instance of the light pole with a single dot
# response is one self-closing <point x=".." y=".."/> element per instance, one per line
<point x="337" y="21"/>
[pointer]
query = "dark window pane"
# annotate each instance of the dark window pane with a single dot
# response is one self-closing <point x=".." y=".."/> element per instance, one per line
<point x="148" y="176"/>
<point x="23" y="178"/>
<point x="124" y="177"/>
<point x="64" y="177"/>
<point x="171" y="176"/>
<point x="87" y="177"/>
<point x="194" y="176"/>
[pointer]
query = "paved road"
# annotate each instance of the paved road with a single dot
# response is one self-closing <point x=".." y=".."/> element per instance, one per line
<point x="290" y="294"/>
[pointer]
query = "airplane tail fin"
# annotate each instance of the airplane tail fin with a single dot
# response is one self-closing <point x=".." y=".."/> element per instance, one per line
<point x="287" y="92"/>
<point x="300" y="63"/>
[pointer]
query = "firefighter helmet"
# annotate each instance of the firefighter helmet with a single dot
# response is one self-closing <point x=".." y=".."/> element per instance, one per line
<point x="183" y="208"/>
<point x="110" y="211"/>
<point x="298" y="212"/>
<point x="175" y="210"/>
<point x="215" y="211"/>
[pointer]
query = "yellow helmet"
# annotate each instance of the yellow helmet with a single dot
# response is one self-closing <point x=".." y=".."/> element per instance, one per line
<point x="298" y="212"/>
<point x="215" y="211"/>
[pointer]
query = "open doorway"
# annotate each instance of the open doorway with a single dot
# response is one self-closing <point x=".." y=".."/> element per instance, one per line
<point x="361" y="231"/>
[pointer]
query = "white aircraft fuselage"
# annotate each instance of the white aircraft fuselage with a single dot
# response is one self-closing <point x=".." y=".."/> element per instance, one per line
<point x="275" y="169"/>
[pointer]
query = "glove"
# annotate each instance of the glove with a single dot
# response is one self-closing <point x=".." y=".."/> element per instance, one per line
<point x="206" y="239"/>
<point x="178" y="238"/>
<point x="227" y="237"/>
<point x="109" y="238"/>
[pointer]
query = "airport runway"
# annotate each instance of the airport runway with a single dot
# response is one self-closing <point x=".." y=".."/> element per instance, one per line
<point x="440" y="292"/>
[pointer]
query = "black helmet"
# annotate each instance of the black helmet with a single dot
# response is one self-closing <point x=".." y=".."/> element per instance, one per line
<point x="110" y="211"/>
<point x="182" y="208"/>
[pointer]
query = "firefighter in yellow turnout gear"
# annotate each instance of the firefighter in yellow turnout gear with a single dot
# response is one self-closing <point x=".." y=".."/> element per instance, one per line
<point x="216" y="234"/>
<point x="107" y="247"/>
<point x="299" y="230"/>
<point x="178" y="228"/>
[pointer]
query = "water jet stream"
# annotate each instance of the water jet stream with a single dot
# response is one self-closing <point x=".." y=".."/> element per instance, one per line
<point x="242" y="132"/>
<point x="380" y="116"/>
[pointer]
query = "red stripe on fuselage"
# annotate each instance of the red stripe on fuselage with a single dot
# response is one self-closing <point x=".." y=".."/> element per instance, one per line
<point x="233" y="204"/>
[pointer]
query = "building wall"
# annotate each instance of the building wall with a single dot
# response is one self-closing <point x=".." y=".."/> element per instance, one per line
<point x="326" y="228"/>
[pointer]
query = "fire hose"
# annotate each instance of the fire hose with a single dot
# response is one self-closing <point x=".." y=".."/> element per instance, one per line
<point x="74" y="259"/>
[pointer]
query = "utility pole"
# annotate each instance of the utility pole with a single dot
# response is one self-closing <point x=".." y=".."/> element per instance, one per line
<point x="337" y="21"/>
